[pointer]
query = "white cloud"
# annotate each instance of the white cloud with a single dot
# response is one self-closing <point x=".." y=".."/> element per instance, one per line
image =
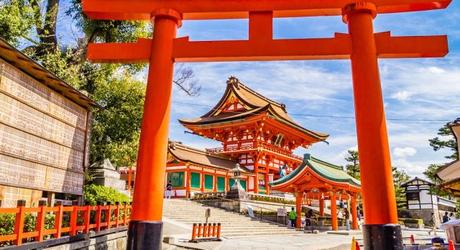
<point x="401" y="95"/>
<point x="404" y="152"/>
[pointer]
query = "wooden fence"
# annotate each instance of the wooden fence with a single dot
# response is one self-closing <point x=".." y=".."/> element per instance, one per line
<point x="68" y="221"/>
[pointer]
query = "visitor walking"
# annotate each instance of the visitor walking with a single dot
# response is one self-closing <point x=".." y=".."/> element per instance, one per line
<point x="308" y="218"/>
<point x="168" y="190"/>
<point x="346" y="216"/>
<point x="292" y="217"/>
<point x="445" y="218"/>
<point x="433" y="222"/>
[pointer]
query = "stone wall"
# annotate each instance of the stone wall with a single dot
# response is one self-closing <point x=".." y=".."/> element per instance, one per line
<point x="114" y="241"/>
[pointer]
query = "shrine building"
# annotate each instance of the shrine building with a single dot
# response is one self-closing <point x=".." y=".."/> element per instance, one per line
<point x="255" y="132"/>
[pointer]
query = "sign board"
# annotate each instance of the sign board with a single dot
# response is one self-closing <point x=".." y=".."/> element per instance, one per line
<point x="250" y="211"/>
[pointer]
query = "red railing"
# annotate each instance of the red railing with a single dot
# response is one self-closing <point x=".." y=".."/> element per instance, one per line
<point x="68" y="221"/>
<point x="264" y="145"/>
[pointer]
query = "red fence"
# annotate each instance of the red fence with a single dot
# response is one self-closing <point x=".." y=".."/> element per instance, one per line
<point x="68" y="221"/>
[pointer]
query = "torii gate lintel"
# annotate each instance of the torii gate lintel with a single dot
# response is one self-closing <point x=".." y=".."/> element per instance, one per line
<point x="361" y="45"/>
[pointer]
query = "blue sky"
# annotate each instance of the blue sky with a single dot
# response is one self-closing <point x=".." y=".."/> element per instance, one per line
<point x="318" y="94"/>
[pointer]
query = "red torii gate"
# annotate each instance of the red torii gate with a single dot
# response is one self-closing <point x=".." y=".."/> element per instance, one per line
<point x="361" y="45"/>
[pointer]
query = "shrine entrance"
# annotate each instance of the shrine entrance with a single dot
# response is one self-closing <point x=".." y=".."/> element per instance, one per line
<point x="361" y="45"/>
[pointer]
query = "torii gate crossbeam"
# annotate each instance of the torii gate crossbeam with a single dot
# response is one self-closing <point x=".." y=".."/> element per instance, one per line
<point x="361" y="45"/>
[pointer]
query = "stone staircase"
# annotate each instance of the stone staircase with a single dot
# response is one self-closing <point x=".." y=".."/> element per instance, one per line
<point x="234" y="225"/>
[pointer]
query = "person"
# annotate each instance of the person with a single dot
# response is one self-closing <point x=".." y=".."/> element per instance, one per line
<point x="445" y="218"/>
<point x="168" y="190"/>
<point x="346" y="216"/>
<point x="308" y="218"/>
<point x="433" y="222"/>
<point x="292" y="217"/>
<point x="452" y="216"/>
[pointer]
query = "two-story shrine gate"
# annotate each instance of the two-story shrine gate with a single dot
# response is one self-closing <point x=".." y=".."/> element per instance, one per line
<point x="361" y="45"/>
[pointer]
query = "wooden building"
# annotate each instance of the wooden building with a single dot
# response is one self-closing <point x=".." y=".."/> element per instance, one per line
<point x="255" y="132"/>
<point x="450" y="173"/>
<point x="192" y="170"/>
<point x="44" y="132"/>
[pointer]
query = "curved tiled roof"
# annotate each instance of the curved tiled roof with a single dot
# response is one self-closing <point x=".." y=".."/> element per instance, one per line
<point x="256" y="104"/>
<point x="200" y="157"/>
<point x="328" y="171"/>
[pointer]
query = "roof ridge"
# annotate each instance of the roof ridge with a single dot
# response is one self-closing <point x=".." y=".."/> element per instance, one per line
<point x="237" y="83"/>
<point x="203" y="152"/>
<point x="325" y="163"/>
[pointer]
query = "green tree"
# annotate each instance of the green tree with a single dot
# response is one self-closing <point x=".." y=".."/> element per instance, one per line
<point x="353" y="166"/>
<point x="399" y="177"/>
<point x="444" y="140"/>
<point x="33" y="23"/>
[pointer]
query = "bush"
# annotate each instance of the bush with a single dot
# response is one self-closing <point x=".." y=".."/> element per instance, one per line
<point x="94" y="193"/>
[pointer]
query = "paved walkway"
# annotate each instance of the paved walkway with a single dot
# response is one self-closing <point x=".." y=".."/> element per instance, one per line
<point x="321" y="241"/>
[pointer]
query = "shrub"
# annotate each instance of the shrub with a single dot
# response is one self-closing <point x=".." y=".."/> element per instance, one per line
<point x="94" y="193"/>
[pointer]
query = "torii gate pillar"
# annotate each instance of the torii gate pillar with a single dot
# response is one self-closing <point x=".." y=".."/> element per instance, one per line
<point x="145" y="227"/>
<point x="381" y="229"/>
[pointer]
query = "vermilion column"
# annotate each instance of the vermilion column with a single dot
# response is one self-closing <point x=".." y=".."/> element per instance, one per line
<point x="298" y="205"/>
<point x="380" y="230"/>
<point x="321" y="206"/>
<point x="334" y="222"/>
<point x="354" y="212"/>
<point x="145" y="227"/>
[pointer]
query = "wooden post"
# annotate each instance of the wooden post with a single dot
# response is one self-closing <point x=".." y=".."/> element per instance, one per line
<point x="218" y="230"/>
<point x="194" y="231"/>
<point x="73" y="220"/>
<point x="19" y="222"/>
<point x="98" y="216"/>
<point x="321" y="206"/>
<point x="58" y="220"/>
<point x="381" y="218"/>
<point x="87" y="219"/>
<point x="354" y="212"/>
<point x="40" y="225"/>
<point x="117" y="213"/>
<point x="334" y="221"/>
<point x="298" y="204"/>
<point x="108" y="214"/>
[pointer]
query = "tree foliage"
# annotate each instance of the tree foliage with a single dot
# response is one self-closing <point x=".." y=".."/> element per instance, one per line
<point x="32" y="24"/>
<point x="94" y="193"/>
<point x="399" y="177"/>
<point x="444" y="140"/>
<point x="352" y="167"/>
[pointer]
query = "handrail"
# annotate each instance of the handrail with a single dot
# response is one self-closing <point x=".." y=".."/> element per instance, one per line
<point x="77" y="220"/>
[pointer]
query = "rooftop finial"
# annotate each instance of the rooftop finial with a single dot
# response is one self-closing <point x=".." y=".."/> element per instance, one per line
<point x="233" y="80"/>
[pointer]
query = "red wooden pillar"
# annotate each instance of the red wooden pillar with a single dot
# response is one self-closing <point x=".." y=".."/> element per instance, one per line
<point x="187" y="183"/>
<point x="381" y="220"/>
<point x="321" y="206"/>
<point x="145" y="227"/>
<point x="298" y="205"/>
<point x="256" y="174"/>
<point x="354" y="212"/>
<point x="334" y="222"/>
<point x="202" y="181"/>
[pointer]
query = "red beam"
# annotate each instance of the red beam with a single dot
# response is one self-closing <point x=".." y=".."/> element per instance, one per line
<point x="269" y="50"/>
<point x="410" y="46"/>
<point x="338" y="47"/>
<point x="225" y="9"/>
